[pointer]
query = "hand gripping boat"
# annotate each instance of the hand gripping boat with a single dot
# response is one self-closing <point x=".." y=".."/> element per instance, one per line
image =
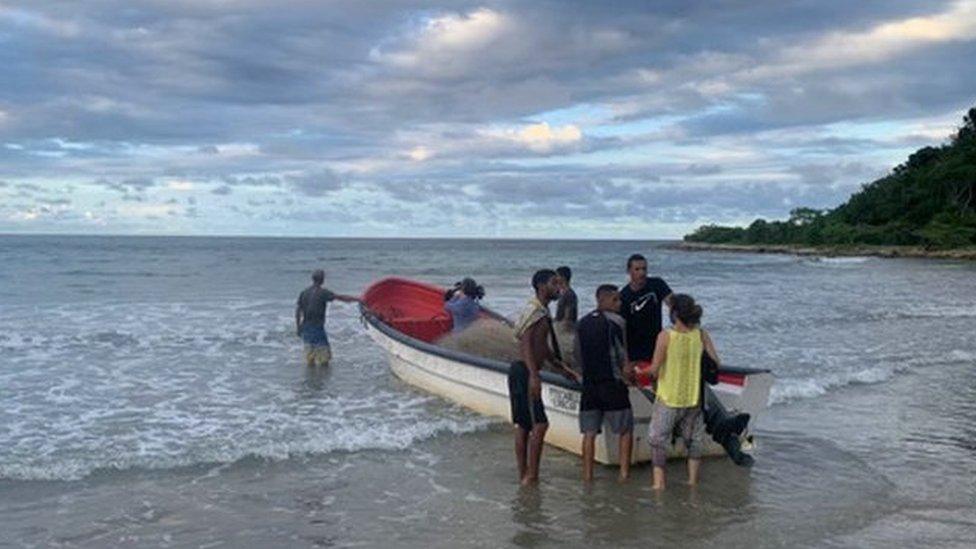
<point x="406" y="318"/>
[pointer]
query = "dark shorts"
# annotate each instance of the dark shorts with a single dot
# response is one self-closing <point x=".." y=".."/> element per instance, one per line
<point x="610" y="401"/>
<point x="314" y="336"/>
<point x="525" y="412"/>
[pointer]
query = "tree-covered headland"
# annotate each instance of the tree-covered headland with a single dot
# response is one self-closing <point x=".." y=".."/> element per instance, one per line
<point x="929" y="201"/>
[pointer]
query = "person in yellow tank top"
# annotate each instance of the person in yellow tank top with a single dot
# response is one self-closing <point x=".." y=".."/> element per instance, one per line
<point x="677" y="365"/>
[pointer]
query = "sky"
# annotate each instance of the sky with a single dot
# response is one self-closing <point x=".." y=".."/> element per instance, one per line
<point x="535" y="119"/>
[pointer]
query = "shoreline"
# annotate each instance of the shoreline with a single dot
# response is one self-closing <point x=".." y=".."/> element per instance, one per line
<point x="967" y="254"/>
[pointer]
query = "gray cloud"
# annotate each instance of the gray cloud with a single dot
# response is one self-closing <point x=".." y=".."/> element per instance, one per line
<point x="425" y="104"/>
<point x="315" y="184"/>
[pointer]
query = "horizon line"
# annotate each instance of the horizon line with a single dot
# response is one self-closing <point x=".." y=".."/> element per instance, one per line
<point x="512" y="238"/>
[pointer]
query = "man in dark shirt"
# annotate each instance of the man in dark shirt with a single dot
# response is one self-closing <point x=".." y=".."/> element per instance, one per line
<point x="601" y="351"/>
<point x="310" y="319"/>
<point x="566" y="306"/>
<point x="640" y="305"/>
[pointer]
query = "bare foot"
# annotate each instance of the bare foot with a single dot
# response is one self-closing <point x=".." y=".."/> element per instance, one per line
<point x="623" y="478"/>
<point x="657" y="487"/>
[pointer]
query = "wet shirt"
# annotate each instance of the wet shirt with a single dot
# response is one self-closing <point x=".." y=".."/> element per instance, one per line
<point x="642" y="311"/>
<point x="566" y="307"/>
<point x="313" y="302"/>
<point x="600" y="347"/>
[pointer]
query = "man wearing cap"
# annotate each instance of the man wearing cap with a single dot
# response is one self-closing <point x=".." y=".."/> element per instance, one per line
<point x="310" y="319"/>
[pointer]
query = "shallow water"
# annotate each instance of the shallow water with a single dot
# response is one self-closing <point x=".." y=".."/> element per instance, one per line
<point x="151" y="392"/>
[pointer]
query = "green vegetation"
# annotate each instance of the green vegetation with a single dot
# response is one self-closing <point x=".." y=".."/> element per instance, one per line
<point x="929" y="201"/>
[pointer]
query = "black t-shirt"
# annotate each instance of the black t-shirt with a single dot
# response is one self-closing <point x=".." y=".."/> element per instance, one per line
<point x="642" y="311"/>
<point x="595" y="338"/>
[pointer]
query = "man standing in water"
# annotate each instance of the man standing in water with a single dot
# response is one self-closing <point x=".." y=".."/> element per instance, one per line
<point x="641" y="302"/>
<point x="640" y="305"/>
<point x="566" y="307"/>
<point x="534" y="333"/>
<point x="310" y="319"/>
<point x="601" y="352"/>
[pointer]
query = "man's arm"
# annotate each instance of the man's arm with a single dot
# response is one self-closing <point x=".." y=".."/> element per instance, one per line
<point x="345" y="298"/>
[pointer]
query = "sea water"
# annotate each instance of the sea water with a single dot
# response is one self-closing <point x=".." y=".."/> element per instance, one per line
<point x="152" y="391"/>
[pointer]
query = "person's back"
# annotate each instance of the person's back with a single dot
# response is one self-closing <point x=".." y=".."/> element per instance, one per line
<point x="677" y="363"/>
<point x="314" y="302"/>
<point x="462" y="303"/>
<point x="593" y="336"/>
<point x="464" y="311"/>
<point x="679" y="381"/>
<point x="310" y="312"/>
<point x="602" y="355"/>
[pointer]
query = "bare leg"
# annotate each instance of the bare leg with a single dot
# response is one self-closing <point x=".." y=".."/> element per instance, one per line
<point x="534" y="457"/>
<point x="521" y="440"/>
<point x="658" y="478"/>
<point x="589" y="449"/>
<point x="694" y="466"/>
<point x="626" y="448"/>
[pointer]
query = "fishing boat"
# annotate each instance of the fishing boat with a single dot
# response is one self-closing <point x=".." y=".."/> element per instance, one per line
<point x="407" y="319"/>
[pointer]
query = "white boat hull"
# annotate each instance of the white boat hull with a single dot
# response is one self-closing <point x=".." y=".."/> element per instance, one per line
<point x="486" y="391"/>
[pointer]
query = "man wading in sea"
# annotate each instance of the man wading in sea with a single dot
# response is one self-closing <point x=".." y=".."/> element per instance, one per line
<point x="534" y="332"/>
<point x="310" y="319"/>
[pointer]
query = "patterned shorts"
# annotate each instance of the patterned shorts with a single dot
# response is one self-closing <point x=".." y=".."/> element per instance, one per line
<point x="320" y="355"/>
<point x="690" y="427"/>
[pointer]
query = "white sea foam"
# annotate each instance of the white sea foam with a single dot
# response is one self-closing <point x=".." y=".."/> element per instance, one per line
<point x="786" y="390"/>
<point x="156" y="454"/>
<point x="840" y="261"/>
<point x="118" y="387"/>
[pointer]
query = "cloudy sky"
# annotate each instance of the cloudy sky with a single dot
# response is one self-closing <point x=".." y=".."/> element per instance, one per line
<point x="508" y="119"/>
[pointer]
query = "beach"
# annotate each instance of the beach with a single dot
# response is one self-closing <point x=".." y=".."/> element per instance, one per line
<point x="154" y="394"/>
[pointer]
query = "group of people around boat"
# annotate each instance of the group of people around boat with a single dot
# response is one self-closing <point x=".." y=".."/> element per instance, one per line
<point x="619" y="344"/>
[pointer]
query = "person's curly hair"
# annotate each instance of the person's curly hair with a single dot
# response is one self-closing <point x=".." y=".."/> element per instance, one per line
<point x="468" y="287"/>
<point x="684" y="308"/>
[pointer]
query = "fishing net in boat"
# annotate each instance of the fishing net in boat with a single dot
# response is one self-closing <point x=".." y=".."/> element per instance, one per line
<point x="490" y="338"/>
<point x="486" y="337"/>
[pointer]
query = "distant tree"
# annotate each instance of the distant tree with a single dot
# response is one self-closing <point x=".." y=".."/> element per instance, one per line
<point x="805" y="216"/>
<point x="929" y="199"/>
<point x="968" y="130"/>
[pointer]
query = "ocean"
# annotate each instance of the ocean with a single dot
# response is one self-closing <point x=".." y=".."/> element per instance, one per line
<point x="152" y="392"/>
